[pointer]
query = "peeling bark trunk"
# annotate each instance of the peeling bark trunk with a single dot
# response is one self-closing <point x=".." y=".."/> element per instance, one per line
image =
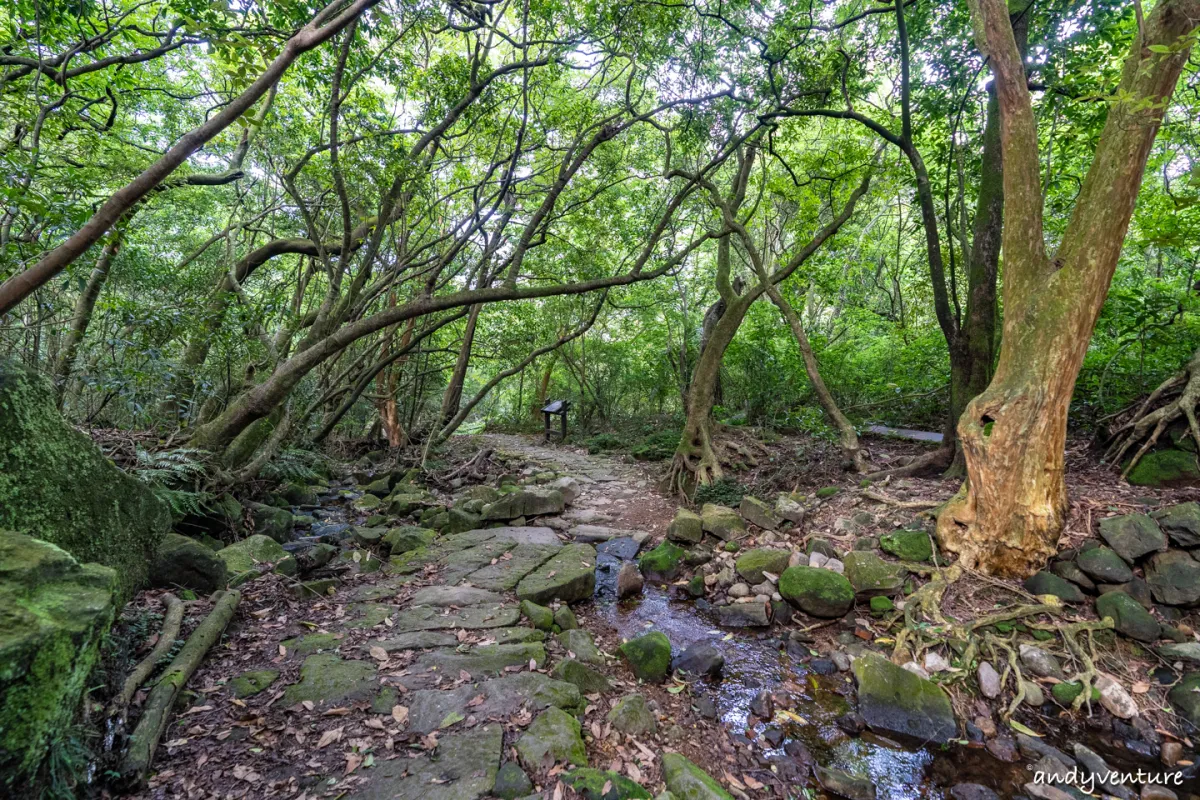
<point x="82" y="318"/>
<point x="1009" y="515"/>
<point x="452" y="398"/>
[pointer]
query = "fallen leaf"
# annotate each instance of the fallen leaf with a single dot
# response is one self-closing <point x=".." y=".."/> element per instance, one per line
<point x="452" y="718"/>
<point x="751" y="783"/>
<point x="378" y="653"/>
<point x="1019" y="728"/>
<point x="329" y="737"/>
<point x="400" y="714"/>
<point x="1141" y="687"/>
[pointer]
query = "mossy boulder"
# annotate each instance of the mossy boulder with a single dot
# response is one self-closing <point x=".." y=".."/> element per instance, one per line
<point x="663" y="561"/>
<point x="251" y="683"/>
<point x="1066" y="692"/>
<point x="407" y="538"/>
<point x="595" y="784"/>
<point x="1133" y="536"/>
<point x="649" y="655"/>
<point x="760" y="513"/>
<point x="54" y="614"/>
<point x="539" y="617"/>
<point x="326" y="678"/>
<point x="633" y="716"/>
<point x="1185" y="697"/>
<point x="870" y="575"/>
<point x="753" y="563"/>
<point x="182" y="561"/>
<point x="685" y="527"/>
<point x="1043" y="582"/>
<point x="273" y="522"/>
<point x="525" y="503"/>
<point x="1174" y="578"/>
<point x="586" y="679"/>
<point x="907" y="545"/>
<point x="1166" y="468"/>
<point x="56" y="485"/>
<point x="580" y="643"/>
<point x="368" y="502"/>
<point x="686" y="781"/>
<point x="1103" y="565"/>
<point x="894" y="701"/>
<point x="249" y="553"/>
<point x="1129" y="616"/>
<point x="1181" y="522"/>
<point x="819" y="592"/>
<point x="721" y="521"/>
<point x="554" y="737"/>
<point x="512" y="782"/>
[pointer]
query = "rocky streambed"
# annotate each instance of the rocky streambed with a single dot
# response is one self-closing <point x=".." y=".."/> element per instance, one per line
<point x="560" y="628"/>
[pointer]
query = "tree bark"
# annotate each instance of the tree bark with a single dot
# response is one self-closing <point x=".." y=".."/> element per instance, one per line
<point x="1007" y="518"/>
<point x="82" y="317"/>
<point x="452" y="398"/>
<point x="852" y="455"/>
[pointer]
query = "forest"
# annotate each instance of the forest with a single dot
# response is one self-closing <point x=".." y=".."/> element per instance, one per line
<point x="689" y="399"/>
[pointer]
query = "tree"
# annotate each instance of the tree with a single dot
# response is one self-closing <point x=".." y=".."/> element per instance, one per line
<point x="1008" y="516"/>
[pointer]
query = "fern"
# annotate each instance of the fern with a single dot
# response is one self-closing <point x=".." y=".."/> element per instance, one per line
<point x="172" y="468"/>
<point x="294" y="465"/>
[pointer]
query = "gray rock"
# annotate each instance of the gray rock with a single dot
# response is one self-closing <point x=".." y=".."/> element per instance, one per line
<point x="428" y="708"/>
<point x="326" y="678"/>
<point x="526" y="502"/>
<point x="1174" y="578"/>
<point x="430" y="618"/>
<point x="972" y="791"/>
<point x="1186" y="651"/>
<point x="569" y="576"/>
<point x="760" y="513"/>
<point x="567" y="486"/>
<point x="581" y="644"/>
<point x="844" y="784"/>
<point x="755" y="614"/>
<point x="482" y="659"/>
<point x="1104" y="565"/>
<point x="1128" y="615"/>
<point x="444" y="596"/>
<point x="989" y="680"/>
<point x="870" y="575"/>
<point x="1071" y="571"/>
<point x="629" y="581"/>
<point x="893" y="700"/>
<point x="700" y="659"/>
<point x="183" y="561"/>
<point x="512" y="782"/>
<point x="1048" y="583"/>
<point x="465" y="767"/>
<point x="1099" y="768"/>
<point x="1181" y="522"/>
<point x="633" y="717"/>
<point x="586" y="679"/>
<point x="721" y="521"/>
<point x="1040" y="663"/>
<point x="417" y="640"/>
<point x="1132" y="536"/>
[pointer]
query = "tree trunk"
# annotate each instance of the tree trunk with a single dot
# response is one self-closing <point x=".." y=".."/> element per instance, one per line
<point x="852" y="455"/>
<point x="452" y="398"/>
<point x="82" y="318"/>
<point x="1009" y="515"/>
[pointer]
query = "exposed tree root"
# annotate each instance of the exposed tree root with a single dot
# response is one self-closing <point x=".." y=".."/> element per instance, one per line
<point x="1145" y="426"/>
<point x="172" y="620"/>
<point x="156" y="714"/>
<point x="871" y="494"/>
<point x="936" y="461"/>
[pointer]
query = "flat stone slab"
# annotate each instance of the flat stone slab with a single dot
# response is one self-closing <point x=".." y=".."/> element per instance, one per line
<point x="488" y="658"/>
<point x="569" y="576"/>
<point x="461" y="564"/>
<point x="514" y="565"/>
<point x="444" y="596"/>
<point x="325" y="678"/>
<point x="416" y="640"/>
<point x="592" y="534"/>
<point x="427" y="708"/>
<point x="464" y="769"/>
<point x="527" y="535"/>
<point x="431" y="618"/>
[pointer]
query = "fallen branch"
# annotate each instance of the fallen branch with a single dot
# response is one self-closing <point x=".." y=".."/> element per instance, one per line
<point x="172" y="619"/>
<point x="871" y="494"/>
<point x="156" y="713"/>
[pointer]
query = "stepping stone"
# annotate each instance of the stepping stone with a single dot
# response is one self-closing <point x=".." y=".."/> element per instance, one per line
<point x="465" y="768"/>
<point x="325" y="678"/>
<point x="554" y="737"/>
<point x="312" y="643"/>
<point x="429" y="618"/>
<point x="525" y="503"/>
<point x="569" y="576"/>
<point x="417" y="640"/>
<point x="454" y="596"/>
<point x="623" y="548"/>
<point x="515" y="635"/>
<point x="593" y="534"/>
<point x="461" y="564"/>
<point x="249" y="684"/>
<point x="488" y="658"/>
<point x="528" y="535"/>
<point x="507" y="572"/>
<point x="894" y="701"/>
<point x="501" y="697"/>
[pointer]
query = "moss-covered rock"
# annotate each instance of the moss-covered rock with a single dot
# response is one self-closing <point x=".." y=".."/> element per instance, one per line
<point x="753" y="563"/>
<point x="870" y="575"/>
<point x="249" y="553"/>
<point x="819" y="592"/>
<point x="54" y="613"/>
<point x="539" y="616"/>
<point x="1185" y="697"/>
<point x="591" y="783"/>
<point x="56" y="485"/>
<point x="569" y="575"/>
<point x="525" y="503"/>
<point x="512" y="782"/>
<point x="633" y="716"/>
<point x="1066" y="692"/>
<point x="554" y="737"/>
<point x="685" y="527"/>
<point x="251" y="683"/>
<point x="182" y="561"/>
<point x="907" y="545"/>
<point x="893" y="700"/>
<point x="760" y="513"/>
<point x="580" y="643"/>
<point x="273" y="522"/>
<point x="721" y="521"/>
<point x="407" y="538"/>
<point x="1129" y="616"/>
<point x="686" y="781"/>
<point x="326" y="678"/>
<point x="663" y="561"/>
<point x="588" y="680"/>
<point x="1165" y="468"/>
<point x="649" y="655"/>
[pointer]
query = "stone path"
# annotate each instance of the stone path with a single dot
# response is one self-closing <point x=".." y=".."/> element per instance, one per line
<point x="422" y="674"/>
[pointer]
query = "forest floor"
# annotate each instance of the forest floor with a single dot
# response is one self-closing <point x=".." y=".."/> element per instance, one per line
<point x="419" y="685"/>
